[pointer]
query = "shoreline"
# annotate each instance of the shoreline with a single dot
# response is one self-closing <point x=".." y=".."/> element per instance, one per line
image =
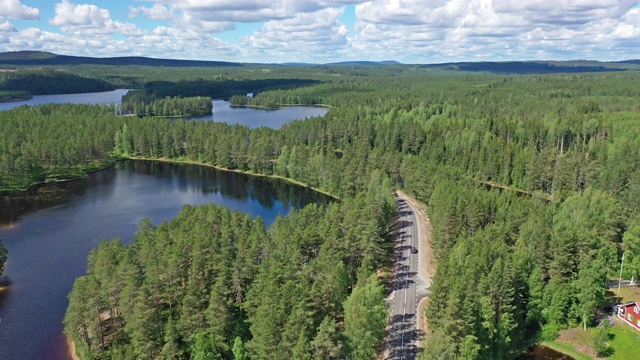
<point x="190" y="162"/>
<point x="71" y="348"/>
<point x="563" y="349"/>
<point x="280" y="106"/>
<point x="14" y="100"/>
<point x="54" y="181"/>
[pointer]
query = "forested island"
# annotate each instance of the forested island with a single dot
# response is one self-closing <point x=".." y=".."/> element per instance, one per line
<point x="168" y="107"/>
<point x="214" y="284"/>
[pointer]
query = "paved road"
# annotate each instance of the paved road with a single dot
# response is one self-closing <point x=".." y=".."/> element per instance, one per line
<point x="408" y="288"/>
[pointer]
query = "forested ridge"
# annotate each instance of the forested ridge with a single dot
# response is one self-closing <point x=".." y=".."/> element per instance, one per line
<point x="522" y="267"/>
<point x="38" y="82"/>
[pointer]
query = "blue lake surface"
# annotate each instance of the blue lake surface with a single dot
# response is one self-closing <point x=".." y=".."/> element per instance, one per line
<point x="222" y="111"/>
<point x="97" y="98"/>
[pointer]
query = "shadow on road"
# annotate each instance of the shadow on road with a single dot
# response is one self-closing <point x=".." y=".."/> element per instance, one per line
<point x="403" y="337"/>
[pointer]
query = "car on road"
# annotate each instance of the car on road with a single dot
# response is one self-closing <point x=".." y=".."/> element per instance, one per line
<point x="414" y="250"/>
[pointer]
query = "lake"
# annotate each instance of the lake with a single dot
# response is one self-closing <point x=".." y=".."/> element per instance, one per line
<point x="253" y="118"/>
<point x="222" y="111"/>
<point x="50" y="230"/>
<point x="96" y="98"/>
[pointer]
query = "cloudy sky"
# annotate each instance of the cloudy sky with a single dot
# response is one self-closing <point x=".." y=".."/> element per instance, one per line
<point x="409" y="31"/>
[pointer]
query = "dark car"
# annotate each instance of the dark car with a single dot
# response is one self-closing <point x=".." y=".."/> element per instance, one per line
<point x="414" y="250"/>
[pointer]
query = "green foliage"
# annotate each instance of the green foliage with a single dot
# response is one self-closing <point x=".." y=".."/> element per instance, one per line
<point x="601" y="340"/>
<point x="169" y="106"/>
<point x="549" y="332"/>
<point x="365" y="318"/>
<point x="204" y="347"/>
<point x="6" y="95"/>
<point x="37" y="82"/>
<point x="186" y="287"/>
<point x="3" y="257"/>
<point x="55" y="141"/>
<point x="239" y="351"/>
<point x="532" y="185"/>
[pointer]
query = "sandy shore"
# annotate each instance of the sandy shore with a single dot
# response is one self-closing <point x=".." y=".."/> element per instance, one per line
<point x="72" y="349"/>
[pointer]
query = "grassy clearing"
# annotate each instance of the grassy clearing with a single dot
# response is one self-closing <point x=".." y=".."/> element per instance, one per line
<point x="577" y="343"/>
<point x="627" y="294"/>
<point x="625" y="342"/>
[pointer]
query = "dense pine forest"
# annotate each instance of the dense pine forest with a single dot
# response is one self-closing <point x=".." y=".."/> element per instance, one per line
<point x="214" y="284"/>
<point x="39" y="82"/>
<point x="169" y="106"/>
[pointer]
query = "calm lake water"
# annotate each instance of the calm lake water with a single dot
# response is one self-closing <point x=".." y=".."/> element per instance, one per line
<point x="50" y="230"/>
<point x="97" y="98"/>
<point x="253" y="118"/>
<point x="222" y="111"/>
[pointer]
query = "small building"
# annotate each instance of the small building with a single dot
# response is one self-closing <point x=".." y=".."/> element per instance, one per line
<point x="630" y="313"/>
<point x="250" y="95"/>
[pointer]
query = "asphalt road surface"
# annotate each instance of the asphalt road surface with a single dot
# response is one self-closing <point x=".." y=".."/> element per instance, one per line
<point x="409" y="289"/>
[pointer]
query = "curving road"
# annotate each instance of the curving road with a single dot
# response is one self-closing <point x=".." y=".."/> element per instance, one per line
<point x="409" y="289"/>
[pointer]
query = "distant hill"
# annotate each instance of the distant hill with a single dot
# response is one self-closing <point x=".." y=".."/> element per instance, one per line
<point x="40" y="58"/>
<point x="538" y="67"/>
<point x="46" y="58"/>
<point x="342" y="63"/>
<point x="363" y="63"/>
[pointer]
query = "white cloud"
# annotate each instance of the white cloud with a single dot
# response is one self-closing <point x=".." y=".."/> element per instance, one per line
<point x="565" y="11"/>
<point x="459" y="30"/>
<point x="246" y="11"/>
<point x="156" y="12"/>
<point x="304" y="37"/>
<point x="90" y="20"/>
<point x="6" y="26"/>
<point x="189" y="21"/>
<point x="86" y="15"/>
<point x="311" y="30"/>
<point x="14" y="9"/>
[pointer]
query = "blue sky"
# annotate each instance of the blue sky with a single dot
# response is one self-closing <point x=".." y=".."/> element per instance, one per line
<point x="409" y="31"/>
